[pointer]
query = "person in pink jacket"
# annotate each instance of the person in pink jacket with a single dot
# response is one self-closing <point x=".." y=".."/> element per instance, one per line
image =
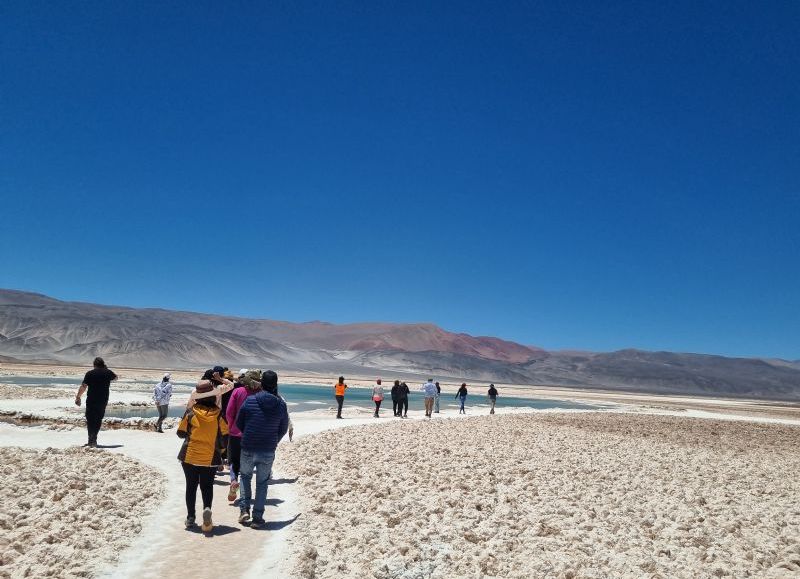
<point x="239" y="395"/>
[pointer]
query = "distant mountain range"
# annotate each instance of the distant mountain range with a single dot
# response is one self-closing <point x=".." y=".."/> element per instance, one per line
<point x="37" y="328"/>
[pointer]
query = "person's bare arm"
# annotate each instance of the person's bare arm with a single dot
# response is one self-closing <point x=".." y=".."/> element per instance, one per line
<point x="81" y="390"/>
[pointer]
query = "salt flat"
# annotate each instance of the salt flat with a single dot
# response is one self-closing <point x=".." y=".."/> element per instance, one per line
<point x="70" y="512"/>
<point x="561" y="495"/>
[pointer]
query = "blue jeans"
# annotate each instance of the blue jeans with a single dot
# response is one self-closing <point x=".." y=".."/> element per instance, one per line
<point x="262" y="463"/>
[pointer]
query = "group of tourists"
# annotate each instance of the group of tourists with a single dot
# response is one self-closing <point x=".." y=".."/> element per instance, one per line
<point x="400" y="392"/>
<point x="237" y="421"/>
<point x="234" y="421"/>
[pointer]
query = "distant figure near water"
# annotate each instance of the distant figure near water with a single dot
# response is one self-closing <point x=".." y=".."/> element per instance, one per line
<point x="462" y="395"/>
<point x="429" y="391"/>
<point x="338" y="390"/>
<point x="396" y="398"/>
<point x="161" y="395"/>
<point x="492" y="397"/>
<point x="436" y="400"/>
<point x="403" y="393"/>
<point x="377" y="397"/>
<point x="98" y="382"/>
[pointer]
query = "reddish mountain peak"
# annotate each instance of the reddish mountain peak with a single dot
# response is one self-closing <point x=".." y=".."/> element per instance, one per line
<point x="429" y="337"/>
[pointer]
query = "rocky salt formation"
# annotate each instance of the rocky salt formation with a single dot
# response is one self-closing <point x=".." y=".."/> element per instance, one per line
<point x="8" y="391"/>
<point x="557" y="495"/>
<point x="68" y="513"/>
<point x="23" y="418"/>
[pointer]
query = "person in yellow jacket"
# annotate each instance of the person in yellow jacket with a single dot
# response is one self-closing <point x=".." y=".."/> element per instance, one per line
<point x="202" y="428"/>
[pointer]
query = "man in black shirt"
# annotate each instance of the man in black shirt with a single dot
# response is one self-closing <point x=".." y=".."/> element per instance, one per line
<point x="97" y="381"/>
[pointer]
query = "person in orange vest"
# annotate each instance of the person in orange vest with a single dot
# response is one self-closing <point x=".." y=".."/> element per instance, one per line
<point x="338" y="390"/>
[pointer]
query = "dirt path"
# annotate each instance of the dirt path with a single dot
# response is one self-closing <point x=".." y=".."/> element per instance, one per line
<point x="164" y="545"/>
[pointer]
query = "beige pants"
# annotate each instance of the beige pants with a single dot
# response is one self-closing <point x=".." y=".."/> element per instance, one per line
<point x="428" y="406"/>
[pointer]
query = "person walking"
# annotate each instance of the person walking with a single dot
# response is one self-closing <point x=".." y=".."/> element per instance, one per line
<point x="219" y="386"/>
<point x="263" y="420"/>
<point x="98" y="383"/>
<point x="202" y="429"/>
<point x="251" y="385"/>
<point x="377" y="397"/>
<point x="396" y="398"/>
<point x="436" y="400"/>
<point x="161" y="395"/>
<point x="404" y="392"/>
<point x="429" y="390"/>
<point x="462" y="395"/>
<point x="492" y="398"/>
<point x="338" y="390"/>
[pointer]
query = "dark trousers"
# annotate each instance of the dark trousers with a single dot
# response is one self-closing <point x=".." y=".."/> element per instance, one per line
<point x="94" y="418"/>
<point x="163" y="409"/>
<point x="404" y="405"/>
<point x="204" y="476"/>
<point x="340" y="402"/>
<point x="377" y="406"/>
<point x="235" y="455"/>
<point x="396" y="407"/>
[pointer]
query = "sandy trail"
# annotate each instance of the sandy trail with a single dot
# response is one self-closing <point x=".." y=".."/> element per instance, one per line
<point x="164" y="546"/>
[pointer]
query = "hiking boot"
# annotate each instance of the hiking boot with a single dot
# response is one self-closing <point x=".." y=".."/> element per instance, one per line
<point x="258" y="523"/>
<point x="244" y="517"/>
<point x="233" y="492"/>
<point x="208" y="524"/>
<point x="189" y="522"/>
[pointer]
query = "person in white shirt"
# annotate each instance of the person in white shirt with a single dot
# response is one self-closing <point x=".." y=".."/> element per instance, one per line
<point x="429" y="389"/>
<point x="161" y="395"/>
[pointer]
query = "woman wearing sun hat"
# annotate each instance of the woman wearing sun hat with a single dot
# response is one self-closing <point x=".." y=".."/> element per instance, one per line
<point x="202" y="428"/>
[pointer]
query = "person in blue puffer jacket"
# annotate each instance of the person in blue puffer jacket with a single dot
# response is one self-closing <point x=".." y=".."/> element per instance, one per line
<point x="263" y="420"/>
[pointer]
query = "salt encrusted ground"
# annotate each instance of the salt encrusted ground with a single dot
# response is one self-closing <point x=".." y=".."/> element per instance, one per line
<point x="8" y="391"/>
<point x="558" y="495"/>
<point x="68" y="513"/>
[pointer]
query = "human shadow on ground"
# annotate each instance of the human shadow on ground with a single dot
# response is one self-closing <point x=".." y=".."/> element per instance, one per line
<point x="283" y="481"/>
<point x="268" y="502"/>
<point x="217" y="531"/>
<point x="278" y="525"/>
<point x="109" y="446"/>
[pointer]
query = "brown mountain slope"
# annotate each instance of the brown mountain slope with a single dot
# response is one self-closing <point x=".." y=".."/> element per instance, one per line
<point x="36" y="327"/>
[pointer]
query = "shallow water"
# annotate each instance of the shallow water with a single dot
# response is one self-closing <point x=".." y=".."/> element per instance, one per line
<point x="304" y="397"/>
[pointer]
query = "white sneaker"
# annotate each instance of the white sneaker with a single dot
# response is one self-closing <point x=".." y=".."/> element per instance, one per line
<point x="208" y="524"/>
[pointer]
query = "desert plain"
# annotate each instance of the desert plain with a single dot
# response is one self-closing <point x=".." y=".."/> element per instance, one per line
<point x="647" y="486"/>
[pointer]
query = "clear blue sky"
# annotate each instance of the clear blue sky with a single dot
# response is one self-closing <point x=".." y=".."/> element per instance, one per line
<point x="588" y="175"/>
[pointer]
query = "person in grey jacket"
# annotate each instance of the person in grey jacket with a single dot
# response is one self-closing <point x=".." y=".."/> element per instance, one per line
<point x="161" y="395"/>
